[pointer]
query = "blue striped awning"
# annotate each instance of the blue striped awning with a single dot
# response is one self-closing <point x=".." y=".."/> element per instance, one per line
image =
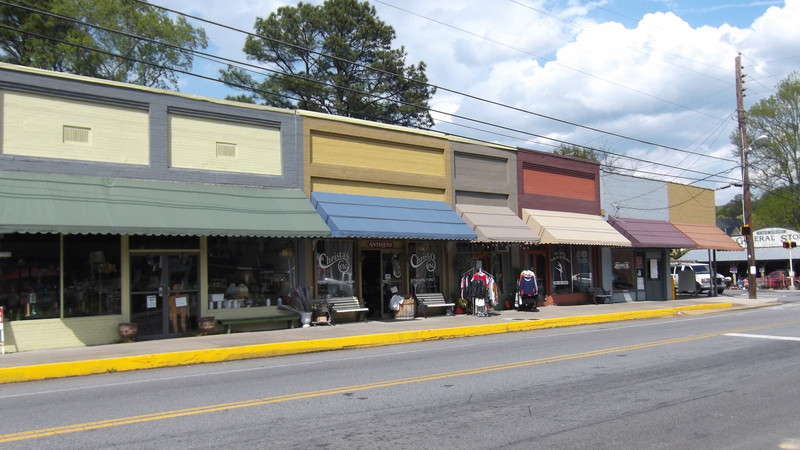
<point x="349" y="215"/>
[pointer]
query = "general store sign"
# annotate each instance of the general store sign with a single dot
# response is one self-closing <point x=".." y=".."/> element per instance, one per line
<point x="769" y="237"/>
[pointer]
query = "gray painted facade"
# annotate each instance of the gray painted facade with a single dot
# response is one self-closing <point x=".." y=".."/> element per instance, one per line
<point x="484" y="175"/>
<point x="625" y="196"/>
<point x="630" y="197"/>
<point x="159" y="104"/>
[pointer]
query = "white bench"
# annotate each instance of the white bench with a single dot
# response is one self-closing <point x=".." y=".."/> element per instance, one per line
<point x="433" y="300"/>
<point x="341" y="305"/>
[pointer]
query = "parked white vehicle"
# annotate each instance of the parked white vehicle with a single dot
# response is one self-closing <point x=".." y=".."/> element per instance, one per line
<point x="702" y="277"/>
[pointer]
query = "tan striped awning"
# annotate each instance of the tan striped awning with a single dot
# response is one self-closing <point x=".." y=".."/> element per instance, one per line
<point x="558" y="227"/>
<point x="496" y="224"/>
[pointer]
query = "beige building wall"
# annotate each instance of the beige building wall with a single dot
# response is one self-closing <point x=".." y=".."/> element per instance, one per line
<point x="52" y="127"/>
<point x="209" y="144"/>
<point x="691" y="204"/>
<point x="42" y="334"/>
<point x="350" y="157"/>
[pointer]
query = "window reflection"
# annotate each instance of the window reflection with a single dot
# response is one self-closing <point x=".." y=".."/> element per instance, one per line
<point x="29" y="276"/>
<point x="91" y="275"/>
<point x="622" y="270"/>
<point x="334" y="268"/>
<point x="424" y="268"/>
<point x="245" y="272"/>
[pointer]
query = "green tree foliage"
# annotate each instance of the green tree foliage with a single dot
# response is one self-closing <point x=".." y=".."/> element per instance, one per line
<point x="577" y="151"/>
<point x="775" y="161"/>
<point x="777" y="208"/>
<point x="732" y="209"/>
<point x="32" y="36"/>
<point x="334" y="58"/>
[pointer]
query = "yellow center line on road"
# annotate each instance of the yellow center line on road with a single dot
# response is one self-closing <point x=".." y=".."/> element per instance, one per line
<point x="44" y="432"/>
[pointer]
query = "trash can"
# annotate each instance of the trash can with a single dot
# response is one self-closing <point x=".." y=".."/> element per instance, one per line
<point x="407" y="311"/>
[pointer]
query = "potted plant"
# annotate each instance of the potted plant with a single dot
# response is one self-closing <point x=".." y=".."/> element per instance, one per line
<point x="461" y="305"/>
<point x="206" y="324"/>
<point x="127" y="331"/>
<point x="299" y="301"/>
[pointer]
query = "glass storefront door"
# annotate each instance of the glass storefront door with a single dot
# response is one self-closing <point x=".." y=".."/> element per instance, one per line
<point x="164" y="293"/>
<point x="381" y="270"/>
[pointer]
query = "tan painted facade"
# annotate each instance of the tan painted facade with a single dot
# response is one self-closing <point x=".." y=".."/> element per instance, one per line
<point x="691" y="204"/>
<point x="52" y="127"/>
<point x="210" y="144"/>
<point x="354" y="157"/>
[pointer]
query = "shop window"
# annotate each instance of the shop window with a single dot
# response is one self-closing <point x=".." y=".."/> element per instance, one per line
<point x="29" y="276"/>
<point x="91" y="275"/>
<point x="423" y="267"/>
<point x="334" y="268"/>
<point x="246" y="272"/>
<point x="622" y="273"/>
<point x="571" y="269"/>
<point x="561" y="269"/>
<point x="582" y="278"/>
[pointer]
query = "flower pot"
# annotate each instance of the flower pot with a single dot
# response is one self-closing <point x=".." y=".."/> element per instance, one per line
<point x="206" y="324"/>
<point x="305" y="319"/>
<point x="127" y="331"/>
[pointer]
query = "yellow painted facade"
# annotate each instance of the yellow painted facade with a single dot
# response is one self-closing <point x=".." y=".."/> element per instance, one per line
<point x="209" y="144"/>
<point x="348" y="157"/>
<point x="53" y="127"/>
<point x="691" y="204"/>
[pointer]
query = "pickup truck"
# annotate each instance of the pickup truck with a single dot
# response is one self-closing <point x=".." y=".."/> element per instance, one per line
<point x="777" y="279"/>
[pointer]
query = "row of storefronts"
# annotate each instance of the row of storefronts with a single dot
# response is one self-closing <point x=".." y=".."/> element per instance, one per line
<point x="117" y="198"/>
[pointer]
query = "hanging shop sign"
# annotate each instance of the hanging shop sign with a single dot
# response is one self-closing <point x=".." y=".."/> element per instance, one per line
<point x="380" y="244"/>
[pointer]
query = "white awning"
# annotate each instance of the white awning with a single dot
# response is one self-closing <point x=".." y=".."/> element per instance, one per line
<point x="558" y="227"/>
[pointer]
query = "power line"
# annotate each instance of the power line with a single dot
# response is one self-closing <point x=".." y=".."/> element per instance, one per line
<point x="214" y="57"/>
<point x="437" y="87"/>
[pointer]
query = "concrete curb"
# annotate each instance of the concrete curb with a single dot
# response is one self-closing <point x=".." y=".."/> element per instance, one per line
<point x="172" y="359"/>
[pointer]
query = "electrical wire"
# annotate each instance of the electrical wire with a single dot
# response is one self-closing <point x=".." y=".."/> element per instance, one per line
<point x="216" y="58"/>
<point x="437" y="87"/>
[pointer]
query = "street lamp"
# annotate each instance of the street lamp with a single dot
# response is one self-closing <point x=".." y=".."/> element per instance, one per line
<point x="751" y="263"/>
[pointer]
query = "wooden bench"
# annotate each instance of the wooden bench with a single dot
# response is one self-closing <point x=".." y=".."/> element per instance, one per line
<point x="291" y="319"/>
<point x="433" y="300"/>
<point x="599" y="293"/>
<point x="341" y="305"/>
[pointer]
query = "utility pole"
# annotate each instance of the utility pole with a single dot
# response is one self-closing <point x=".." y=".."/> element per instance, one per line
<point x="751" y="263"/>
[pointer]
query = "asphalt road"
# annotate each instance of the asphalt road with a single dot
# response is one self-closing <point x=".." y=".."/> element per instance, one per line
<point x="713" y="381"/>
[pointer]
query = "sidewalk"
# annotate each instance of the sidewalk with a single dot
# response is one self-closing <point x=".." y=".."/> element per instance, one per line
<point x="59" y="363"/>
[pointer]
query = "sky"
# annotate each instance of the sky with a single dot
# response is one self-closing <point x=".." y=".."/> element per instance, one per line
<point x="651" y="81"/>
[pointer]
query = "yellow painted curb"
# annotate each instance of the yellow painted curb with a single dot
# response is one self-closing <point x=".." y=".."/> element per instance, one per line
<point x="128" y="363"/>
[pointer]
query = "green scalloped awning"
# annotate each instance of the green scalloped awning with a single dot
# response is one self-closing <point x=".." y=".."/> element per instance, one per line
<point x="45" y="203"/>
